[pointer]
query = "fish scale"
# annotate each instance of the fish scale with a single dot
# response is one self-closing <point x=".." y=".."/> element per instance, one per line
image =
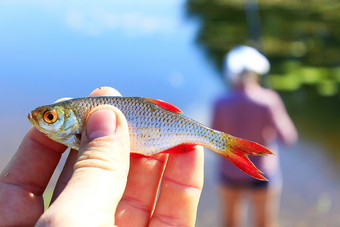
<point x="154" y="126"/>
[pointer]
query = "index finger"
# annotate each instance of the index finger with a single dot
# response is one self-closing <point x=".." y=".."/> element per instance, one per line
<point x="25" y="178"/>
<point x="34" y="162"/>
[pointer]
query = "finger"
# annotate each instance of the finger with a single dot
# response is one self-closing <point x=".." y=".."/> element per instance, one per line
<point x="105" y="91"/>
<point x="63" y="99"/>
<point x="25" y="178"/>
<point x="138" y="201"/>
<point x="140" y="194"/>
<point x="100" y="173"/>
<point x="180" y="190"/>
<point x="67" y="171"/>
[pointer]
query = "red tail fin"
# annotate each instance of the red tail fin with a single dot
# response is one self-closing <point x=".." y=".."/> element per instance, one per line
<point x="237" y="153"/>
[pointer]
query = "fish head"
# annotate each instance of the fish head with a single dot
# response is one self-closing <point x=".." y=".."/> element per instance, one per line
<point x="58" y="123"/>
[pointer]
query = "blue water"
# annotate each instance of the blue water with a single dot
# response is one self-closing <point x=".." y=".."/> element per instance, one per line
<point x="56" y="49"/>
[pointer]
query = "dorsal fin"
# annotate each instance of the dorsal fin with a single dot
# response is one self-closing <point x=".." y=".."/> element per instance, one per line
<point x="164" y="105"/>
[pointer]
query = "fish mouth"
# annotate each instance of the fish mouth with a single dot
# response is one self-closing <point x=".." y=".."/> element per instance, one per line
<point x="32" y="117"/>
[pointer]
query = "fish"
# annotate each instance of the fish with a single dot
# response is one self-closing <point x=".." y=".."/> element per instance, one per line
<point x="155" y="126"/>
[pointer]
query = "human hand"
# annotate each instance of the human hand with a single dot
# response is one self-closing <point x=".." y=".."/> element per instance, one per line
<point x="96" y="186"/>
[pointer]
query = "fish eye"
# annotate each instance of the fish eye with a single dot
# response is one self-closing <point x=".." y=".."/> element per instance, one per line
<point x="50" y="116"/>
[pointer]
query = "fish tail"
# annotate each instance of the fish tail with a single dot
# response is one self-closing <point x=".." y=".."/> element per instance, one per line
<point x="237" y="151"/>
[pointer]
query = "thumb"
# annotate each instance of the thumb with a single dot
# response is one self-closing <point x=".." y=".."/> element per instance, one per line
<point x="100" y="173"/>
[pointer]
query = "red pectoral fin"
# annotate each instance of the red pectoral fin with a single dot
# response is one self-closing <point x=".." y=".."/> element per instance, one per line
<point x="137" y="155"/>
<point x="164" y="105"/>
<point x="181" y="148"/>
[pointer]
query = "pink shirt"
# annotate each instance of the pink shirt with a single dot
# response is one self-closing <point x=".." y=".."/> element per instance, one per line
<point x="256" y="114"/>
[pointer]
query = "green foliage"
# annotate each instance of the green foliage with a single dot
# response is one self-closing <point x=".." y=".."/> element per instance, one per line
<point x="301" y="33"/>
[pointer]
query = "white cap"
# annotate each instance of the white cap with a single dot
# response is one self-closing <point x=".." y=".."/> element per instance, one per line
<point x="244" y="58"/>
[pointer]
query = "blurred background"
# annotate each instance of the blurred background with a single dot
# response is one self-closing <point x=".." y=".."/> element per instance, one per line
<point x="173" y="50"/>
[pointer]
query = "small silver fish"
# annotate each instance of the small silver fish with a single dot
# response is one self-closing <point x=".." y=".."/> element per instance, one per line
<point x="154" y="126"/>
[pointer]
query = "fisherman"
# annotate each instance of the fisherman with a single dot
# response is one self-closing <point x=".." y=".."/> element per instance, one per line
<point x="251" y="112"/>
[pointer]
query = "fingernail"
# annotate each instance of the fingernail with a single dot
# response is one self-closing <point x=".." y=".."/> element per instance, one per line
<point x="101" y="122"/>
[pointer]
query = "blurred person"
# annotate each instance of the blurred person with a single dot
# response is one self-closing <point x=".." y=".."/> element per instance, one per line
<point x="101" y="185"/>
<point x="251" y="112"/>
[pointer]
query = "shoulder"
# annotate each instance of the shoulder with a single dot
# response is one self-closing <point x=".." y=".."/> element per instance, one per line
<point x="269" y="97"/>
<point x="271" y="93"/>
